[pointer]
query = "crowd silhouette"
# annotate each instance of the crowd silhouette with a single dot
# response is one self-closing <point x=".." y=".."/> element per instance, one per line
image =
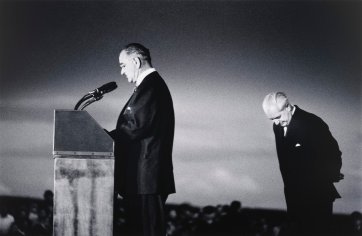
<point x="30" y="217"/>
<point x="34" y="217"/>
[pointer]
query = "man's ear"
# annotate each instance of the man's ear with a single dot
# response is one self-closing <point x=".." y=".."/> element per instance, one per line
<point x="137" y="62"/>
<point x="289" y="107"/>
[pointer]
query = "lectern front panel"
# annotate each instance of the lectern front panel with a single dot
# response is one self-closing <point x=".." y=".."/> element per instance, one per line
<point x="83" y="203"/>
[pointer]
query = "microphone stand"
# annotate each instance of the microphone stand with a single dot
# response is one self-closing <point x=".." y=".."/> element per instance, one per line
<point x="88" y="99"/>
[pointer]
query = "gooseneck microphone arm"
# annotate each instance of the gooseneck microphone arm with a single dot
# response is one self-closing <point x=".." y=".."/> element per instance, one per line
<point x="90" y="101"/>
<point x="84" y="98"/>
<point x="95" y="95"/>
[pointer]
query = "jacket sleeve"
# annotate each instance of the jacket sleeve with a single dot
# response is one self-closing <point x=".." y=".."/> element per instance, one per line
<point x="138" y="118"/>
<point x="328" y="149"/>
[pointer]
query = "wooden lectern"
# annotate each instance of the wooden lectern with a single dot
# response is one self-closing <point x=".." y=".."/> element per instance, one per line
<point x="83" y="176"/>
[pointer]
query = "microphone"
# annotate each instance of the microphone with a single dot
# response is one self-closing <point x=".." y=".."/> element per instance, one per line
<point x="96" y="94"/>
<point x="106" y="88"/>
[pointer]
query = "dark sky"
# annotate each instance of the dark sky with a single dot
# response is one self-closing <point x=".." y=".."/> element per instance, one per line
<point x="219" y="59"/>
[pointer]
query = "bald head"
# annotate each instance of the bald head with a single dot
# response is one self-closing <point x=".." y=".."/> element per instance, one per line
<point x="277" y="108"/>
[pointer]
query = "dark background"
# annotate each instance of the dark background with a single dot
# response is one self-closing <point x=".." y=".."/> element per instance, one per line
<point x="219" y="58"/>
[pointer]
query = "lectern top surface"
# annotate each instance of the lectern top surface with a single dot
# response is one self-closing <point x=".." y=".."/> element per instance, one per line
<point x="77" y="131"/>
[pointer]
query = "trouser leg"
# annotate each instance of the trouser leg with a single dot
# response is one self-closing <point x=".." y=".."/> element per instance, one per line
<point x="145" y="214"/>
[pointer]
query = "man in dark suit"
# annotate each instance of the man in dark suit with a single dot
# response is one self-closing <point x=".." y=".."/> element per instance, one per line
<point x="309" y="160"/>
<point x="143" y="144"/>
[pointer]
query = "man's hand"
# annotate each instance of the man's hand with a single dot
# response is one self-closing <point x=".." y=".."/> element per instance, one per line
<point x="338" y="178"/>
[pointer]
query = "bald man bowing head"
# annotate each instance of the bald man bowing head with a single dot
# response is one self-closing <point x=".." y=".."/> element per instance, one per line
<point x="309" y="160"/>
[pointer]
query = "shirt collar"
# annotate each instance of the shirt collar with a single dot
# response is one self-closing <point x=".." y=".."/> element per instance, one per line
<point x="143" y="75"/>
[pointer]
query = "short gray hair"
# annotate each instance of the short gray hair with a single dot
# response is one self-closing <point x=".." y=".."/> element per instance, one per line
<point x="278" y="99"/>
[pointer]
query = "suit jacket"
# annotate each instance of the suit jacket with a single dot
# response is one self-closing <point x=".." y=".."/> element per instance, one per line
<point x="144" y="140"/>
<point x="309" y="158"/>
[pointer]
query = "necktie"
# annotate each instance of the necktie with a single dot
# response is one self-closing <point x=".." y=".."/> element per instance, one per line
<point x="285" y="131"/>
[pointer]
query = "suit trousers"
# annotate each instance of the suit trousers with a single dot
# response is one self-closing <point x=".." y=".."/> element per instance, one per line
<point x="144" y="215"/>
<point x="309" y="217"/>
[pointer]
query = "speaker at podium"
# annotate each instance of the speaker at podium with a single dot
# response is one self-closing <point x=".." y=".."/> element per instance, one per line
<point x="83" y="175"/>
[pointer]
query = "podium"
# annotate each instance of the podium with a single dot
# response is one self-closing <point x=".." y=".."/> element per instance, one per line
<point x="83" y="176"/>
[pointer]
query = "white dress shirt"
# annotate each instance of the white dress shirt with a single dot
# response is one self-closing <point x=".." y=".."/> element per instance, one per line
<point x="143" y="75"/>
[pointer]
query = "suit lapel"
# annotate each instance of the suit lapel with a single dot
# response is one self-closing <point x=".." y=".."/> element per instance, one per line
<point x="125" y="106"/>
<point x="279" y="131"/>
<point x="145" y="83"/>
<point x="124" y="109"/>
